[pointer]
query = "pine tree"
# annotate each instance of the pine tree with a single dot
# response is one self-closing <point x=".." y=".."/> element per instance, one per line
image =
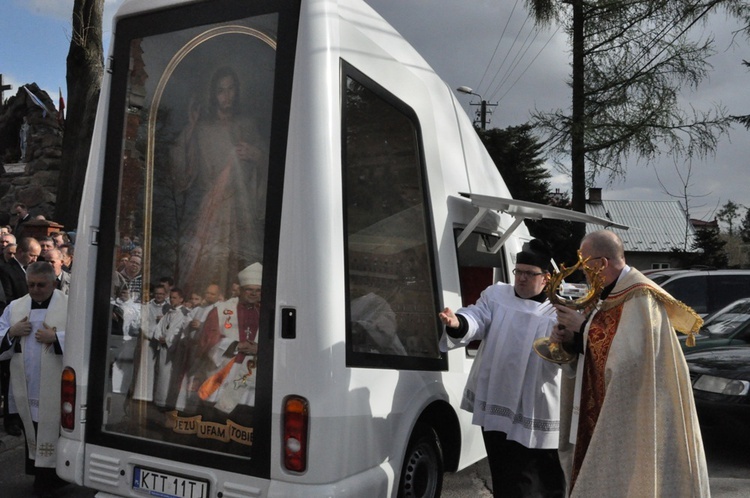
<point x="745" y="227"/>
<point x="714" y="254"/>
<point x="517" y="154"/>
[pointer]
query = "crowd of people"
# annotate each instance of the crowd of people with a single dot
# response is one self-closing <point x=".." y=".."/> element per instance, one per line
<point x="186" y="351"/>
<point x="34" y="284"/>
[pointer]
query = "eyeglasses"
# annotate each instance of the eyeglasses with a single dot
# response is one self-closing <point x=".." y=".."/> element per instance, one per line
<point x="39" y="285"/>
<point x="527" y="274"/>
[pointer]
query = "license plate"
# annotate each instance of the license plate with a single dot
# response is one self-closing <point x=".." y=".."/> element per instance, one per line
<point x="165" y="485"/>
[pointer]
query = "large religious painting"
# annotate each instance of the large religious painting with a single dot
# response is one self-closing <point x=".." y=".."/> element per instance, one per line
<point x="190" y="222"/>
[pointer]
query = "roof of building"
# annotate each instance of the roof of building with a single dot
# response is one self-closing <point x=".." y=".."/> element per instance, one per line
<point x="655" y="226"/>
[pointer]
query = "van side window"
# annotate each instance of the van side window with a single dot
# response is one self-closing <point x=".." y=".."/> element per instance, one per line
<point x="391" y="302"/>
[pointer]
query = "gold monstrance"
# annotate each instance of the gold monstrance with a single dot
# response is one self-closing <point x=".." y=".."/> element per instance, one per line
<point x="554" y="352"/>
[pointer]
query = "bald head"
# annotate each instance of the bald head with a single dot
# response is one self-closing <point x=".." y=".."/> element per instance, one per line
<point x="605" y="248"/>
<point x="212" y="294"/>
<point x="28" y="251"/>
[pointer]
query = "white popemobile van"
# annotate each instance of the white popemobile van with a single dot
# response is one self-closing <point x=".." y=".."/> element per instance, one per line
<point x="309" y="137"/>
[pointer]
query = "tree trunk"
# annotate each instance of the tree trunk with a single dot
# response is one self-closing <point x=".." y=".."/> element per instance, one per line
<point x="84" y="75"/>
<point x="578" y="124"/>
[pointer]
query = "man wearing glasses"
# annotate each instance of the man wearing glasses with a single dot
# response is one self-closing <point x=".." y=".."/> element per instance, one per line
<point x="628" y="420"/>
<point x="32" y="336"/>
<point x="512" y="392"/>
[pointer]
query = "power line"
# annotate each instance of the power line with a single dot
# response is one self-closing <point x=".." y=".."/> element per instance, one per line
<point x="516" y="60"/>
<point x="499" y="41"/>
<point x="529" y="65"/>
<point x="508" y="52"/>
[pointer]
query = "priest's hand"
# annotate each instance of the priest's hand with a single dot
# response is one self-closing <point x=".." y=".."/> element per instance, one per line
<point x="569" y="319"/>
<point x="20" y="329"/>
<point x="46" y="334"/>
<point x="449" y="318"/>
<point x="248" y="347"/>
<point x="561" y="334"/>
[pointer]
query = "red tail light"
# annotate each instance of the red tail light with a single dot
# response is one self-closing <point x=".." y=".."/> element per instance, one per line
<point x="295" y="433"/>
<point x="68" y="398"/>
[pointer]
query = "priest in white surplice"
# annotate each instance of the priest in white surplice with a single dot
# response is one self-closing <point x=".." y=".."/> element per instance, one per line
<point x="32" y="336"/>
<point x="513" y="393"/>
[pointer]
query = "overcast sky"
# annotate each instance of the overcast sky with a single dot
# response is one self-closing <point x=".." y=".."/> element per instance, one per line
<point x="458" y="38"/>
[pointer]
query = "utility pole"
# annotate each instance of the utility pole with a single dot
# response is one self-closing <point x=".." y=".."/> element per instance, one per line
<point x="483" y="113"/>
<point x="483" y="104"/>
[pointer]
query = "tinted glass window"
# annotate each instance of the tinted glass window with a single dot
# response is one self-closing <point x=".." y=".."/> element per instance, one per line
<point x="658" y="279"/>
<point x="691" y="290"/>
<point x="189" y="233"/>
<point x="392" y="304"/>
<point x="728" y="321"/>
<point x="727" y="288"/>
<point x="743" y="334"/>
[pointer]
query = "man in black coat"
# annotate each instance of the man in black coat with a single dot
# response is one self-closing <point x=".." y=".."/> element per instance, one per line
<point x="23" y="215"/>
<point x="13" y="273"/>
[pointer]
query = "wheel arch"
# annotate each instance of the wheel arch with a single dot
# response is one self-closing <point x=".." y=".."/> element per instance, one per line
<point x="441" y="416"/>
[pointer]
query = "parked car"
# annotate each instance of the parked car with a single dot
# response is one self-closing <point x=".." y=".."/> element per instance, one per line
<point x="730" y="326"/>
<point x="721" y="387"/>
<point x="705" y="290"/>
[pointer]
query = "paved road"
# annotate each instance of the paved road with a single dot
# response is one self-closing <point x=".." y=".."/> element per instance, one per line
<point x="728" y="467"/>
<point x="728" y="460"/>
<point x="14" y="483"/>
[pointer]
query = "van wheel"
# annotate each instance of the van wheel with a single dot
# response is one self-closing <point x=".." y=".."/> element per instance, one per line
<point x="422" y="474"/>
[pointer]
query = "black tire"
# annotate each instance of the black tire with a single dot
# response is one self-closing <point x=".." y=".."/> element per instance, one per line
<point x="422" y="472"/>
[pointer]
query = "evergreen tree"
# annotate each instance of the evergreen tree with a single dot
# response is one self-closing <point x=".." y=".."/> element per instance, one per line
<point x="517" y="155"/>
<point x="714" y="254"/>
<point x="745" y="227"/>
<point x="728" y="213"/>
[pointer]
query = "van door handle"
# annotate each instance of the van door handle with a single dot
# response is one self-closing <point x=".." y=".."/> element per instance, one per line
<point x="288" y="323"/>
